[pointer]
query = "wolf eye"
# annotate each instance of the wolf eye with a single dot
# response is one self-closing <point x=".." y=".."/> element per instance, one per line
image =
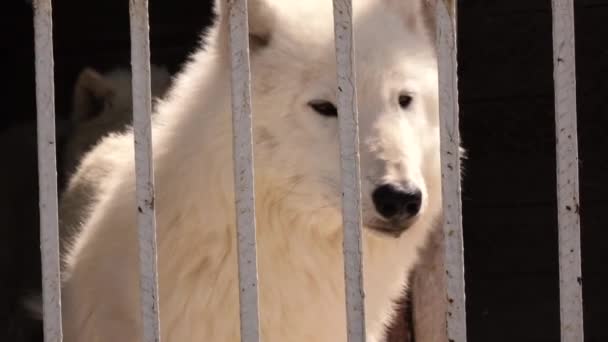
<point x="323" y="107"/>
<point x="405" y="101"/>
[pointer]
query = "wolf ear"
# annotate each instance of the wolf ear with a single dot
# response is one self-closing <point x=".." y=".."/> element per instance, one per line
<point x="418" y="15"/>
<point x="91" y="92"/>
<point x="161" y="80"/>
<point x="261" y="22"/>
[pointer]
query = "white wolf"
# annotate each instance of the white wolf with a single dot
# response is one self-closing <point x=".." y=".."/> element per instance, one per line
<point x="102" y="109"/>
<point x="297" y="159"/>
<point x="101" y="112"/>
<point x="102" y="104"/>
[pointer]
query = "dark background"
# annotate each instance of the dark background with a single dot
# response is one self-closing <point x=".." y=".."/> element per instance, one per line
<point x="507" y="121"/>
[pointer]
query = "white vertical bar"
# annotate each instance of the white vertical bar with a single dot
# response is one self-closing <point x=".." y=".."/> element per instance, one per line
<point x="243" y="169"/>
<point x="140" y="63"/>
<point x="47" y="171"/>
<point x="570" y="279"/>
<point x="349" y="153"/>
<point x="450" y="171"/>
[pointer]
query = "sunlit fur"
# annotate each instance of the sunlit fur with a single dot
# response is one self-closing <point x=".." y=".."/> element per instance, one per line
<point x="298" y="192"/>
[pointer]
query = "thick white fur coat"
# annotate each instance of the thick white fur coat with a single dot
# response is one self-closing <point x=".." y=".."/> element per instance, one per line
<point x="298" y="195"/>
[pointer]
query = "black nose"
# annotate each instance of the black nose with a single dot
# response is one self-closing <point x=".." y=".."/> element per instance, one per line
<point x="393" y="202"/>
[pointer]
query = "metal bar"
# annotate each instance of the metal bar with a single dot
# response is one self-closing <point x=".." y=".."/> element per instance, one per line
<point x="146" y="220"/>
<point x="564" y="74"/>
<point x="450" y="171"/>
<point x="349" y="157"/>
<point x="244" y="170"/>
<point x="47" y="171"/>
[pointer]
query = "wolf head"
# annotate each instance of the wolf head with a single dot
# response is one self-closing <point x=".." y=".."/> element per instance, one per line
<point x="293" y="65"/>
<point x="103" y="104"/>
